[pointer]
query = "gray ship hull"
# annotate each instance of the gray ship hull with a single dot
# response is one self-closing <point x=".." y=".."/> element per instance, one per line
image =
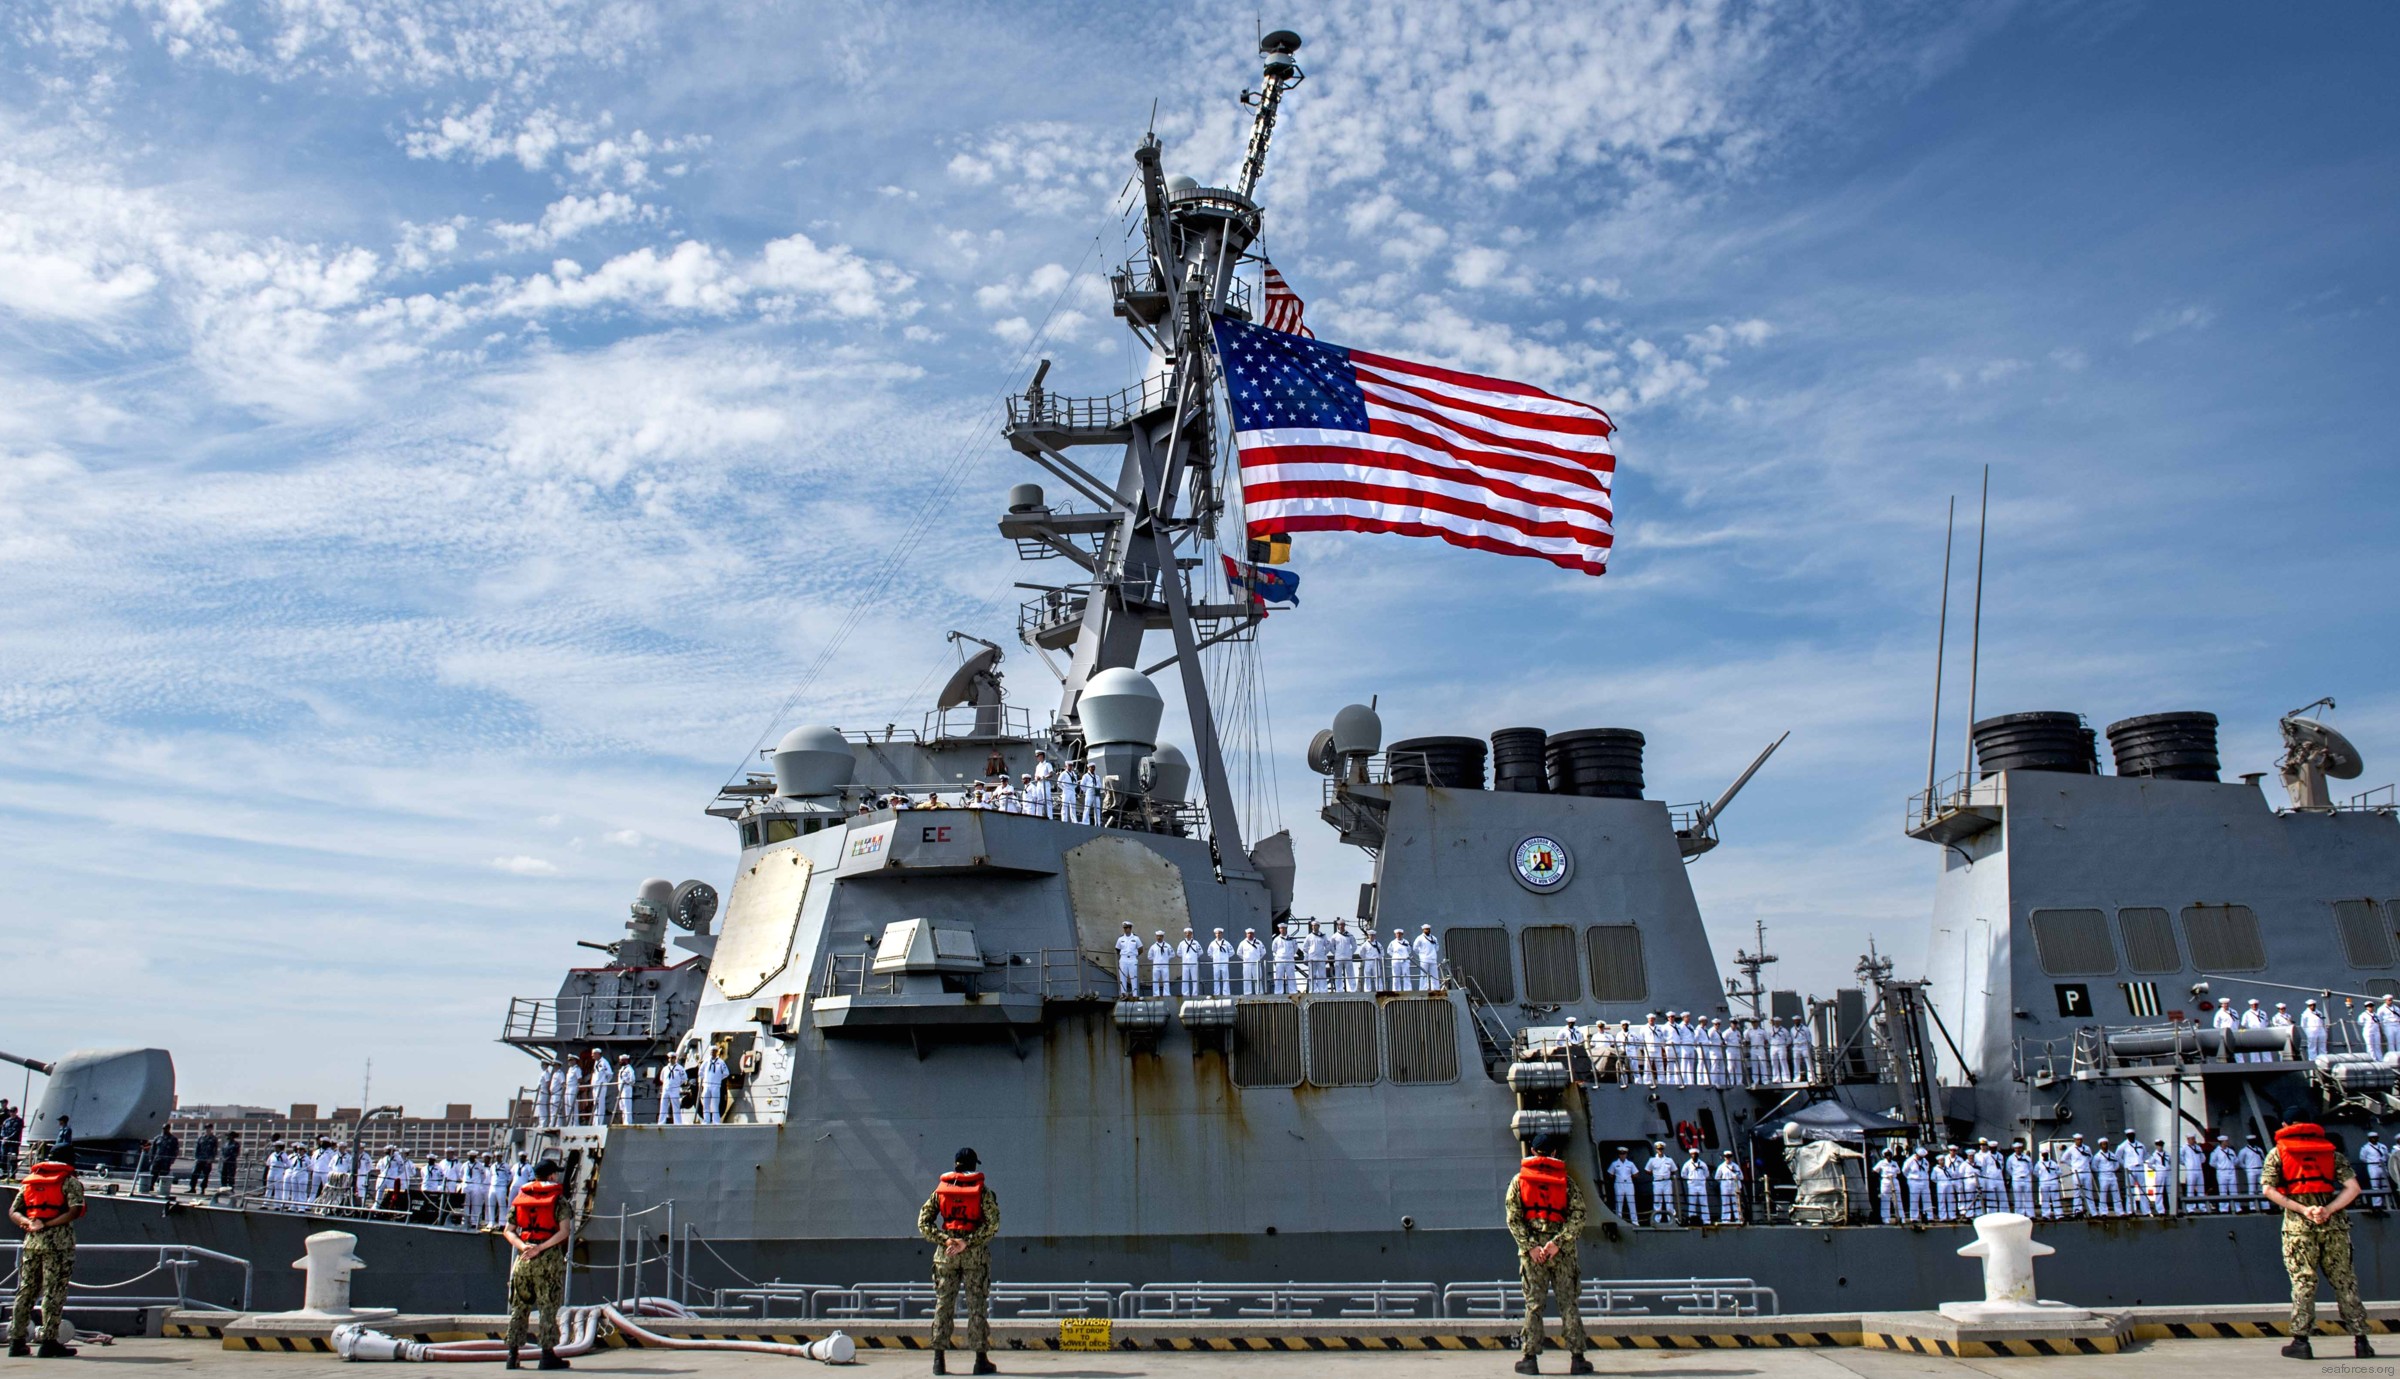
<point x="2118" y="1263"/>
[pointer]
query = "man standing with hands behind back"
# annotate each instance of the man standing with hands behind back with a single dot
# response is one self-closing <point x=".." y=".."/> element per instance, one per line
<point x="1545" y="1215"/>
<point x="960" y="1219"/>
<point x="537" y="1229"/>
<point x="2312" y="1181"/>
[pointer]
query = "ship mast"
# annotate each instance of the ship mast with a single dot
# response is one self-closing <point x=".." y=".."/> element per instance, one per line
<point x="1168" y="492"/>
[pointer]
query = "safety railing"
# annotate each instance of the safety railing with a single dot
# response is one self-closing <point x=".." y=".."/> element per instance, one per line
<point x="536" y="1018"/>
<point x="977" y="723"/>
<point x="1277" y="1301"/>
<point x="1056" y="411"/>
<point x="1685" y="1297"/>
<point x="643" y="1238"/>
<point x="1611" y="1053"/>
<point x="174" y="1263"/>
<point x="1382" y="1300"/>
<point x="1140" y="276"/>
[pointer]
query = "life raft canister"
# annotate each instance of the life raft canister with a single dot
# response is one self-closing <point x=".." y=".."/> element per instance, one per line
<point x="2307" y="1159"/>
<point x="535" y="1211"/>
<point x="44" y="1193"/>
<point x="959" y="1200"/>
<point x="1542" y="1189"/>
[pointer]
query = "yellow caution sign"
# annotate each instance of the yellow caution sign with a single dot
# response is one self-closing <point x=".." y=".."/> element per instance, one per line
<point x="1084" y="1333"/>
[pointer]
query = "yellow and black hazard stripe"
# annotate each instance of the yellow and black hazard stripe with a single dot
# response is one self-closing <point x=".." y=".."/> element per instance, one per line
<point x="2218" y="1331"/>
<point x="1979" y="1350"/>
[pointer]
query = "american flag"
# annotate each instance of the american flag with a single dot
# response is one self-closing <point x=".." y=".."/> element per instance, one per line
<point x="1335" y="439"/>
<point x="1284" y="306"/>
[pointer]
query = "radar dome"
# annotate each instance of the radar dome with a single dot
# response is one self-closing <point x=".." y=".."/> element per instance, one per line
<point x="1357" y="731"/>
<point x="1120" y="705"/>
<point x="657" y="892"/>
<point x="1181" y="183"/>
<point x="812" y="760"/>
<point x="1166" y="773"/>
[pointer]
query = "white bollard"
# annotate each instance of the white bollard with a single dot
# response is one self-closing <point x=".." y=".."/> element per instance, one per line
<point x="2004" y="1242"/>
<point x="331" y="1259"/>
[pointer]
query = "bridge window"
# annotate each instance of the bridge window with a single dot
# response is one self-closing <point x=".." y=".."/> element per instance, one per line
<point x="1341" y="1044"/>
<point x="2223" y="938"/>
<point x="2365" y="939"/>
<point x="1423" y="1039"/>
<point x="1479" y="958"/>
<point x="2149" y="940"/>
<point x="1551" y="976"/>
<point x="1616" y="954"/>
<point x="2073" y="943"/>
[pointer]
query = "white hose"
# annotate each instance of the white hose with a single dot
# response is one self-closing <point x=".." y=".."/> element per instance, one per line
<point x="579" y="1333"/>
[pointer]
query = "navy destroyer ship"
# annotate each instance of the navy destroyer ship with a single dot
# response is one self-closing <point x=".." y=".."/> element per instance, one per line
<point x="896" y="971"/>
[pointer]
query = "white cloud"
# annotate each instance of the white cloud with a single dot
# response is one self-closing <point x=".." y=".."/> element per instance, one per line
<point x="799" y="274"/>
<point x="570" y="216"/>
<point x="522" y="865"/>
<point x="2167" y="322"/>
<point x="624" y="838"/>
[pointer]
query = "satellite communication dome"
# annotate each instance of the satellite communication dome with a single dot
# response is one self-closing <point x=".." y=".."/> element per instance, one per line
<point x="1181" y="183"/>
<point x="1120" y="705"/>
<point x="1167" y="773"/>
<point x="1357" y="731"/>
<point x="813" y="760"/>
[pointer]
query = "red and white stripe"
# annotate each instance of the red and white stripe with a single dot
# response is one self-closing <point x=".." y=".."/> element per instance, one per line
<point x="1284" y="306"/>
<point x="1478" y="462"/>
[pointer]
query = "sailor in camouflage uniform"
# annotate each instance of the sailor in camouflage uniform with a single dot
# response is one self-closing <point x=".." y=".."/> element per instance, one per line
<point x="47" y="1206"/>
<point x="2312" y="1181"/>
<point x="960" y="1219"/>
<point x="539" y="1226"/>
<point x="1545" y="1217"/>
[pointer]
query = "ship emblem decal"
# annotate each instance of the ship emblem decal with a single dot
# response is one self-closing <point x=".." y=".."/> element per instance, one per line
<point x="1542" y="864"/>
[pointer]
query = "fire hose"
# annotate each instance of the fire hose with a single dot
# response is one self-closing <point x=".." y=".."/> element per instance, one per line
<point x="579" y="1332"/>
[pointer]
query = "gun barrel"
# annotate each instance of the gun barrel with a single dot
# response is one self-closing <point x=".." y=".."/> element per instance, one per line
<point x="34" y="1063"/>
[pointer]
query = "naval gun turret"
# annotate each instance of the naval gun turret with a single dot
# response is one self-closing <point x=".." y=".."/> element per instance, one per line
<point x="113" y="1099"/>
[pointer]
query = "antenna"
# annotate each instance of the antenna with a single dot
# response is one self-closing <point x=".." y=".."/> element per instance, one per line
<point x="1755" y="992"/>
<point x="1282" y="74"/>
<point x="1975" y="639"/>
<point x="1941" y="643"/>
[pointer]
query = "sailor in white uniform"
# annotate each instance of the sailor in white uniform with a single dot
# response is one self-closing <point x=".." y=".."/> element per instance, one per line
<point x="546" y="1094"/>
<point x="2255" y="1018"/>
<point x="2387" y="1015"/>
<point x="1804" y="1051"/>
<point x="2229" y="1176"/>
<point x="2313" y="1030"/>
<point x="1648" y="1066"/>
<point x="1621" y="1173"/>
<point x="1220" y="965"/>
<point x="2372" y="1161"/>
<point x="2045" y="1177"/>
<point x="1779" y="1053"/>
<point x="1687" y="1049"/>
<point x="1187" y="965"/>
<point x="1695" y="1189"/>
<point x="1320" y="952"/>
<point x="1917" y="1172"/>
<point x="2191" y="1160"/>
<point x="1370" y="965"/>
<point x="604" y="1081"/>
<point x="2370" y="1031"/>
<point x="1662" y="1183"/>
<point x="1729" y="1190"/>
<point x="392" y="1177"/>
<point x="2020" y="1178"/>
<point x="1285" y="950"/>
<point x="1345" y="958"/>
<point x="2108" y="1180"/>
<point x="570" y="1094"/>
<point x="2252" y="1161"/>
<point x="1162" y="962"/>
<point x="2282" y="1020"/>
<point x="712" y="1088"/>
<point x="1129" y="963"/>
<point x="1425" y="956"/>
<point x="1091" y="795"/>
<point x="625" y="1089"/>
<point x="475" y="1184"/>
<point x="1946" y="1171"/>
<point x="1888" y="1195"/>
<point x="670" y="1094"/>
<point x="1042" y="773"/>
<point x="1254" y="960"/>
<point x="1398" y="954"/>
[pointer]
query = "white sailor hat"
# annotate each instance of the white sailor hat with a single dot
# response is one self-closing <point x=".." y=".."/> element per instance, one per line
<point x="2311" y="1001"/>
<point x="2280" y="1005"/>
<point x="1160" y="933"/>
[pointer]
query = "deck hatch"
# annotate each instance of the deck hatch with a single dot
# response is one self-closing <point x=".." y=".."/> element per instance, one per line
<point x="1341" y="1044"/>
<point x="2365" y="940"/>
<point x="2223" y="938"/>
<point x="1479" y="957"/>
<point x="1266" y="1044"/>
<point x="1422" y="1037"/>
<point x="2074" y="943"/>
<point x="2149" y="934"/>
<point x="1615" y="951"/>
<point x="1552" y="976"/>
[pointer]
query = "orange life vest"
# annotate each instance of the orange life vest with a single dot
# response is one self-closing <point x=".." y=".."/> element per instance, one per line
<point x="2307" y="1159"/>
<point x="1542" y="1190"/>
<point x="535" y="1212"/>
<point x="44" y="1195"/>
<point x="959" y="1200"/>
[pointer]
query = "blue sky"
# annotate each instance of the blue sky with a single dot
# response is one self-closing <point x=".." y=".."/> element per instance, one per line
<point x="435" y="436"/>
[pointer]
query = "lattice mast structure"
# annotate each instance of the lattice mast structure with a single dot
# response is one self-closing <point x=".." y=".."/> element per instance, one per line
<point x="1148" y="532"/>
